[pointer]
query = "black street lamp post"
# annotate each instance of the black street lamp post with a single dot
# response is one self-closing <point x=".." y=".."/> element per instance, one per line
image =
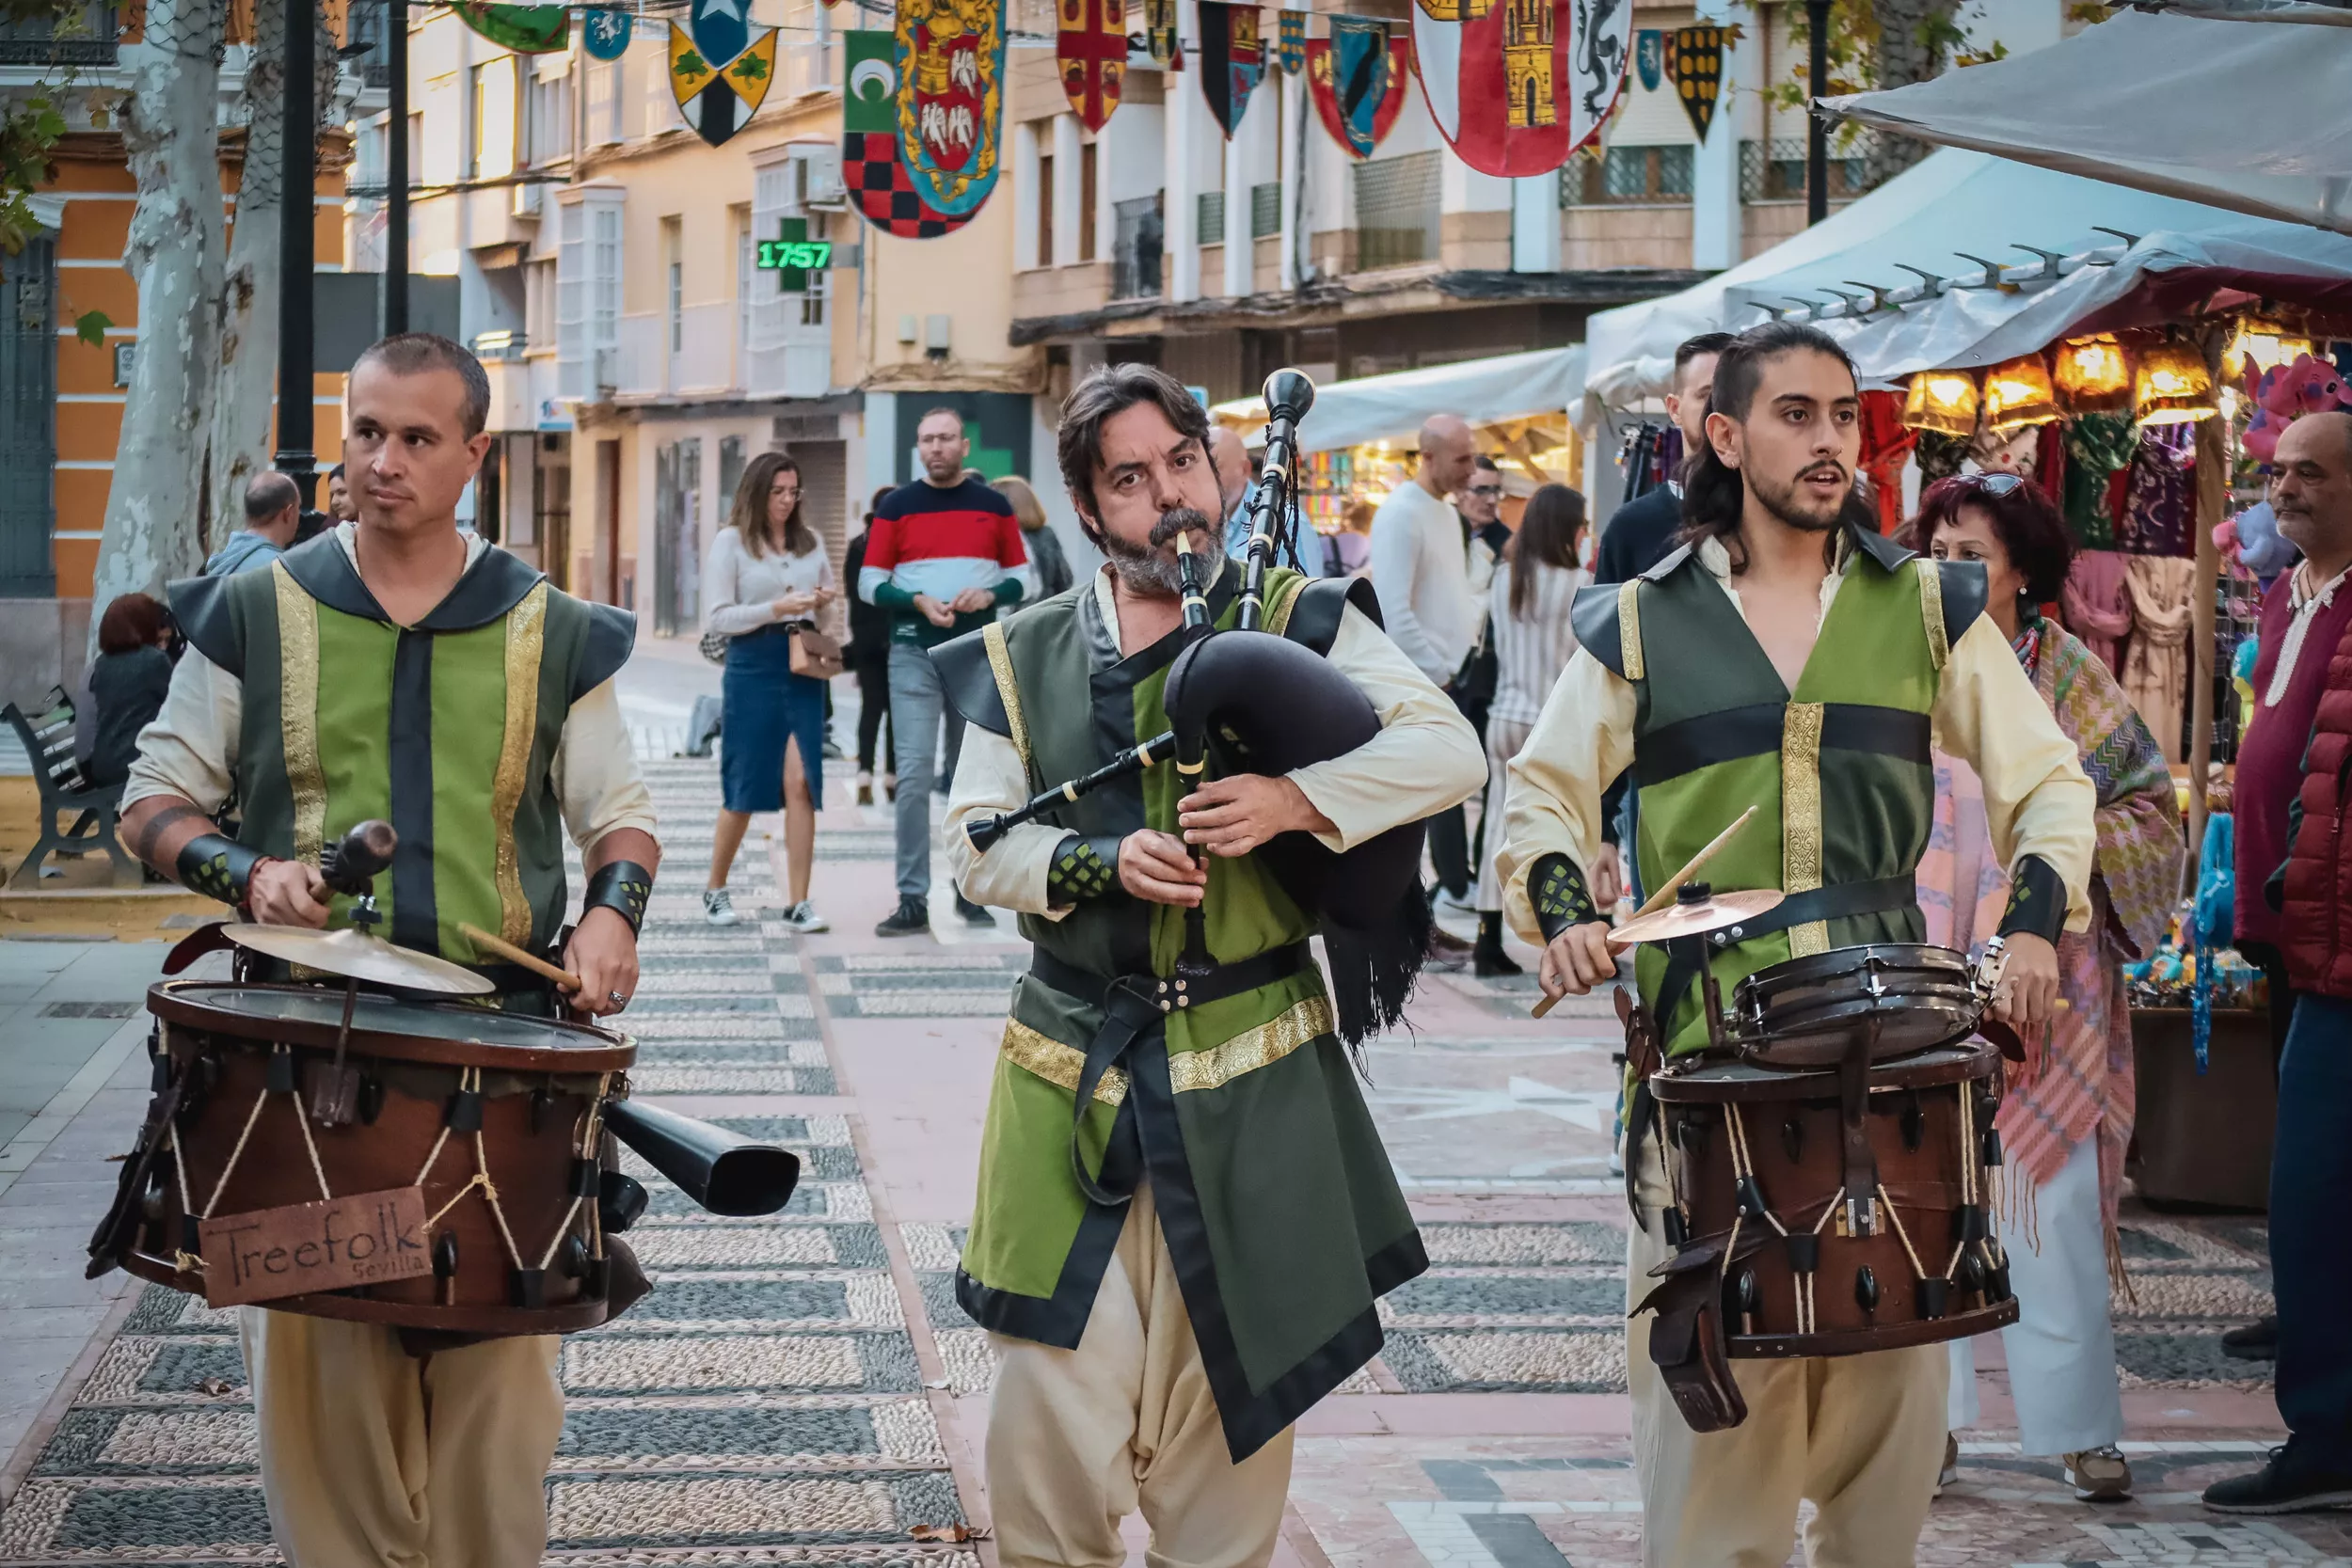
<point x="296" y="458"/>
<point x="1816" y="127"/>
<point x="396" y="169"/>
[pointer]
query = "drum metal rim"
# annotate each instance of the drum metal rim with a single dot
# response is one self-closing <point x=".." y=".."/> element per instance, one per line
<point x="1709" y="1085"/>
<point x="187" y="1004"/>
<point x="1814" y="967"/>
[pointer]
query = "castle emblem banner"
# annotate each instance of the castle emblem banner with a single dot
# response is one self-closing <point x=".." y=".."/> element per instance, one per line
<point x="1091" y="52"/>
<point x="870" y="165"/>
<point x="1517" y="91"/>
<point x="1232" y="61"/>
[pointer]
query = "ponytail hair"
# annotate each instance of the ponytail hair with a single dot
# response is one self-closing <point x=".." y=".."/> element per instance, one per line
<point x="1713" y="494"/>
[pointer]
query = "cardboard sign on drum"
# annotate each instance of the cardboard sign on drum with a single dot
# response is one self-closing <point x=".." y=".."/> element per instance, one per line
<point x="305" y="1248"/>
<point x="1516" y="90"/>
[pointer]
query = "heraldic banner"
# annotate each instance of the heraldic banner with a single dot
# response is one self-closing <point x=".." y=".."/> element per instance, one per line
<point x="524" y="29"/>
<point x="1232" y="61"/>
<point x="1090" y="51"/>
<point x="950" y="56"/>
<point x="1518" y="89"/>
<point x="1357" y="78"/>
<point x="870" y="165"/>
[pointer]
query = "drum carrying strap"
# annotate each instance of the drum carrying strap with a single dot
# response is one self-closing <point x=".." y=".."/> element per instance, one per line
<point x="1838" y="901"/>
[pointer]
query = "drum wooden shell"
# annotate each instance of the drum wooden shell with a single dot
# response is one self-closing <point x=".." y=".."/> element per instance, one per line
<point x="1793" y="1133"/>
<point x="539" y="1079"/>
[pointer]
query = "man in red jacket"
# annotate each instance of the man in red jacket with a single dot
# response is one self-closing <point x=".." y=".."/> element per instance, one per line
<point x="2289" y="804"/>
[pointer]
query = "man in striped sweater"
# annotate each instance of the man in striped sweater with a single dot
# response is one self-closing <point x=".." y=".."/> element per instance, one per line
<point x="944" y="554"/>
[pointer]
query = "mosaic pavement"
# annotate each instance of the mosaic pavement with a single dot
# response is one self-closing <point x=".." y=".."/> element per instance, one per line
<point x="786" y="1392"/>
<point x="765" y="1402"/>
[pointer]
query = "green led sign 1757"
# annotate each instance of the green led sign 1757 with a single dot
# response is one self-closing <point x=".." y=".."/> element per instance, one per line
<point x="792" y="255"/>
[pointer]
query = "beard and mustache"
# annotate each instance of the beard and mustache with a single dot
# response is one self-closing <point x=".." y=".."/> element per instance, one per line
<point x="1789" y="501"/>
<point x="1153" y="570"/>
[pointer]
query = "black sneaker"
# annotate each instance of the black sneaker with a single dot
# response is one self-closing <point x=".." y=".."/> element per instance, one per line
<point x="2254" y="1342"/>
<point x="974" y="914"/>
<point x="2289" y="1483"/>
<point x="912" y="918"/>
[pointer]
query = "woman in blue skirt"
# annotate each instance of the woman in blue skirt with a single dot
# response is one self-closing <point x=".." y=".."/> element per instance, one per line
<point x="768" y="572"/>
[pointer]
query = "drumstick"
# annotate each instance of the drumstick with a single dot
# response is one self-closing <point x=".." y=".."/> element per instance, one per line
<point x="1665" y="894"/>
<point x="513" y="954"/>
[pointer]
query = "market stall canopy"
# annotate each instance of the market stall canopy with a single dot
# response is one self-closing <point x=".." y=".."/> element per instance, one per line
<point x="1966" y="259"/>
<point x="2243" y="113"/>
<point x="1391" y="408"/>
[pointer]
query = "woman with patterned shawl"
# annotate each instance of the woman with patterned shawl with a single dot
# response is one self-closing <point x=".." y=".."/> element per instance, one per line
<point x="2066" y="1117"/>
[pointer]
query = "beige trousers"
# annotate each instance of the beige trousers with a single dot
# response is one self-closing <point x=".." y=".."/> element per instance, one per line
<point x="1861" y="1435"/>
<point x="1078" y="1439"/>
<point x="375" y="1459"/>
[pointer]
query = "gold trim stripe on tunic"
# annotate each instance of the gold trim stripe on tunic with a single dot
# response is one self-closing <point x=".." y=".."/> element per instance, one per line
<point x="1800" y="819"/>
<point x="526" y="638"/>
<point x="298" y="711"/>
<point x="1630" y="629"/>
<point x="1932" y="606"/>
<point x="1008" y="688"/>
<point x="1187" y="1070"/>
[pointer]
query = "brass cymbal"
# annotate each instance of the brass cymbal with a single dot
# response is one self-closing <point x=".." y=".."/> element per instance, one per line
<point x="356" y="956"/>
<point x="1691" y="917"/>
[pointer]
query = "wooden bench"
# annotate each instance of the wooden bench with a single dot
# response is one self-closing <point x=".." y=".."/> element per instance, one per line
<point x="48" y="741"/>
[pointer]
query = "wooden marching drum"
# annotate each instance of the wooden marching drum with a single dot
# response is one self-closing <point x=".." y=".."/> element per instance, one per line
<point x="428" y="1165"/>
<point x="1758" y="1159"/>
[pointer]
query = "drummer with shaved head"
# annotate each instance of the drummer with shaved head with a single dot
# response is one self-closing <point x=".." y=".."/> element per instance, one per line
<point x="1787" y="657"/>
<point x="393" y="668"/>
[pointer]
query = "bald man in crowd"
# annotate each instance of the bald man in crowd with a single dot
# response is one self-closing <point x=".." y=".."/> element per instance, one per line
<point x="1419" y="570"/>
<point x="273" y="510"/>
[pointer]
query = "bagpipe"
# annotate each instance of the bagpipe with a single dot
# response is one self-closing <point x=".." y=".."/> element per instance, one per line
<point x="1263" y="703"/>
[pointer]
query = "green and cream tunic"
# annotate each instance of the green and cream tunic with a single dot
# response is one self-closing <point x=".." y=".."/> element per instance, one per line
<point x="304" y="704"/>
<point x="1282" y="1212"/>
<point x="1669" y="680"/>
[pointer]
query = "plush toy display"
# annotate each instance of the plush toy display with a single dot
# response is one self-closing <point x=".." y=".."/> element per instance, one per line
<point x="2284" y="394"/>
<point x="2253" y="535"/>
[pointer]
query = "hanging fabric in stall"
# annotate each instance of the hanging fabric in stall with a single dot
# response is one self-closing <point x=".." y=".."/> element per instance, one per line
<point x="2155" y="665"/>
<point x="2097" y="605"/>
<point x="2097" y="447"/>
<point x="871" y="168"/>
<point x="1357" y="77"/>
<point x="2158" y="510"/>
<point x="1695" y="57"/>
<point x="1090" y="51"/>
<point x="1232" y="61"/>
<point x="1290" y="42"/>
<point x="1887" y="444"/>
<point x="950" y="56"/>
<point x="1517" y="91"/>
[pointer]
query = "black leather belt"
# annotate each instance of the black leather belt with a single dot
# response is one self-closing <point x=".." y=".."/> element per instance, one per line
<point x="1134" y="1010"/>
<point x="1174" y="992"/>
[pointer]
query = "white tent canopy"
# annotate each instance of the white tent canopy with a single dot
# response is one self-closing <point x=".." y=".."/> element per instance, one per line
<point x="2060" y="248"/>
<point x="2237" y="114"/>
<point x="1391" y="408"/>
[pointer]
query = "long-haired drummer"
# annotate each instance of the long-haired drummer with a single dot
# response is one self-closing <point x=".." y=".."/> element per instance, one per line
<point x="364" y="674"/>
<point x="1184" y="1215"/>
<point x="1786" y="656"/>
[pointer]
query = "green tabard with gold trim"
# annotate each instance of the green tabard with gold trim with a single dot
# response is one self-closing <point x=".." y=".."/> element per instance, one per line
<point x="1839" y="768"/>
<point x="447" y="729"/>
<point x="1281" y="1210"/>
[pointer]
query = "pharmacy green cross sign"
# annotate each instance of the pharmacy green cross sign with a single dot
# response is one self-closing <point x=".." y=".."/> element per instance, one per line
<point x="792" y="255"/>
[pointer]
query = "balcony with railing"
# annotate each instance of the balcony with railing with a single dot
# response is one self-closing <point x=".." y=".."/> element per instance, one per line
<point x="1137" y="238"/>
<point x="1398" y="210"/>
<point x="81" y="35"/>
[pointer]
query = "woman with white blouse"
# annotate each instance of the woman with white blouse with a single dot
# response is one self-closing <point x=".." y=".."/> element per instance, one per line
<point x="1528" y="616"/>
<point x="768" y="572"/>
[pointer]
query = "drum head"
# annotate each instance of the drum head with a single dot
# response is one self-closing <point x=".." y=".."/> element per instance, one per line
<point x="1907" y="997"/>
<point x="442" y="1032"/>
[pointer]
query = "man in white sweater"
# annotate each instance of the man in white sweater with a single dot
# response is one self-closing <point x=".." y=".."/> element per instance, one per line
<point x="1420" y="571"/>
